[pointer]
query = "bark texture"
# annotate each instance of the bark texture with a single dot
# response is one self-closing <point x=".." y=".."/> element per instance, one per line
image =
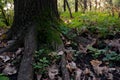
<point x="27" y="15"/>
<point x="26" y="70"/>
<point x="76" y="5"/>
<point x="65" y="73"/>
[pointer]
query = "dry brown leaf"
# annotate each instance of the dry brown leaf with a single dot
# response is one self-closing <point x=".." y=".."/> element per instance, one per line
<point x="19" y="51"/>
<point x="68" y="67"/>
<point x="110" y="76"/>
<point x="87" y="71"/>
<point x="97" y="68"/>
<point x="5" y="58"/>
<point x="52" y="72"/>
<point x="61" y="53"/>
<point x="71" y="66"/>
<point x="2" y="44"/>
<point x="95" y="62"/>
<point x="78" y="74"/>
<point x="114" y="43"/>
<point x="9" y="70"/>
<point x="39" y="76"/>
<point x="69" y="56"/>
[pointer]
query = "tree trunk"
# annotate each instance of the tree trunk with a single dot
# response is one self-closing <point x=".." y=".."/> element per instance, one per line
<point x="90" y="4"/>
<point x="76" y="5"/>
<point x="65" y="73"/>
<point x="27" y="15"/>
<point x="96" y="5"/>
<point x="69" y="9"/>
<point x="64" y="5"/>
<point x="85" y="6"/>
<point x="26" y="70"/>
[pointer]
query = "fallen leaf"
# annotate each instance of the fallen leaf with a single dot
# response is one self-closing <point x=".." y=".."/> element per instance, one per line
<point x="61" y="53"/>
<point x="9" y="70"/>
<point x="78" y="73"/>
<point x="52" y="72"/>
<point x="19" y="51"/>
<point x="39" y="76"/>
<point x="5" y="58"/>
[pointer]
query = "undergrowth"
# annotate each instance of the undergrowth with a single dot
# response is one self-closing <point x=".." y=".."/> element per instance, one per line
<point x="102" y="23"/>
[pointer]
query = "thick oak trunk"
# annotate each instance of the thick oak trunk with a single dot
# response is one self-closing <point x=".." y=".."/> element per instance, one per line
<point x="27" y="15"/>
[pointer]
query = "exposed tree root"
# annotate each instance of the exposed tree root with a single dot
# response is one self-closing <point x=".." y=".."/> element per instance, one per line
<point x="26" y="70"/>
<point x="65" y="73"/>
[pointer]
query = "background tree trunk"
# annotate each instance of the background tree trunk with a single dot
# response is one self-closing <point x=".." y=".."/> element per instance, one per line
<point x="76" y="5"/>
<point x="96" y="5"/>
<point x="69" y="9"/>
<point x="90" y="4"/>
<point x="64" y="5"/>
<point x="85" y="6"/>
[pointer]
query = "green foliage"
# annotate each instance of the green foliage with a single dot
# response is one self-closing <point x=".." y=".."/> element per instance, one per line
<point x="41" y="61"/>
<point x="2" y="24"/>
<point x="96" y="52"/>
<point x="47" y="34"/>
<point x="102" y="23"/>
<point x="109" y="56"/>
<point x="112" y="56"/>
<point x="2" y="77"/>
<point x="6" y="12"/>
<point x="41" y="65"/>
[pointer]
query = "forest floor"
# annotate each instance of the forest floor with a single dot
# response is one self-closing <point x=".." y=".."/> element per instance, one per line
<point x="87" y="57"/>
<point x="90" y="53"/>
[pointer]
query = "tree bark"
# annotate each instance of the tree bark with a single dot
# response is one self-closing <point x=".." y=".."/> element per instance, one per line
<point x="64" y="5"/>
<point x="26" y="70"/>
<point x="76" y="5"/>
<point x="69" y="9"/>
<point x="85" y="6"/>
<point x="90" y="4"/>
<point x="65" y="72"/>
<point x="27" y="15"/>
<point x="96" y="5"/>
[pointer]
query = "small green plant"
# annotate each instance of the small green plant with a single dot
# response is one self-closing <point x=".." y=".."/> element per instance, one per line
<point x="109" y="56"/>
<point x="41" y="61"/>
<point x="43" y="58"/>
<point x="2" y="77"/>
<point x="96" y="52"/>
<point x="112" y="56"/>
<point x="41" y="65"/>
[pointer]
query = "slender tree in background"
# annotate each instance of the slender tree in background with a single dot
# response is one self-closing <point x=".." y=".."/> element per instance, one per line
<point x="90" y="4"/>
<point x="64" y="5"/>
<point x="76" y="5"/>
<point x="66" y="1"/>
<point x="85" y="5"/>
<point x="96" y="5"/>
